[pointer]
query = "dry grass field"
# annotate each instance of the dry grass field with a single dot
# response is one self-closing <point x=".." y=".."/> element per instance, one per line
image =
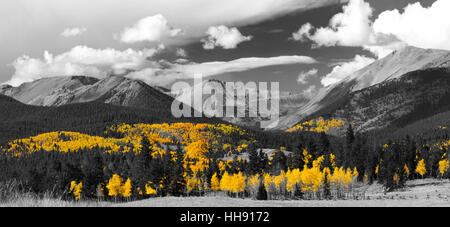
<point x="418" y="193"/>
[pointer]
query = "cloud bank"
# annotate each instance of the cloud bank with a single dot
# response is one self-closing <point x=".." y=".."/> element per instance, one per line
<point x="242" y="64"/>
<point x="80" y="60"/>
<point x="100" y="63"/>
<point x="168" y="74"/>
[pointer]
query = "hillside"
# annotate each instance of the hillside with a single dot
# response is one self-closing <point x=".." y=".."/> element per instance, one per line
<point x="391" y="68"/>
<point x="18" y="120"/>
<point x="395" y="103"/>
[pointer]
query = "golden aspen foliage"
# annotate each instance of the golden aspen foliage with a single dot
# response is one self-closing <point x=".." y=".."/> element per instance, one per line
<point x="114" y="186"/>
<point x="355" y="172"/>
<point x="254" y="182"/>
<point x="215" y="184"/>
<point x="306" y="156"/>
<point x="76" y="189"/>
<point x="126" y="189"/>
<point x="421" y="168"/>
<point x="149" y="190"/>
<point x="396" y="178"/>
<point x="268" y="180"/>
<point x="279" y="181"/>
<point x="333" y="160"/>
<point x="293" y="178"/>
<point x="444" y="166"/>
<point x="319" y="125"/>
<point x="194" y="184"/>
<point x="406" y="170"/>
<point x="225" y="182"/>
<point x="237" y="183"/>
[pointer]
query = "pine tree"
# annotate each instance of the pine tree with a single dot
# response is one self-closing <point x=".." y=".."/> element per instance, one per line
<point x="254" y="160"/>
<point x="262" y="193"/>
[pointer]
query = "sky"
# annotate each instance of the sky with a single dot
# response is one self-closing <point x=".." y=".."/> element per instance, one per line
<point x="303" y="44"/>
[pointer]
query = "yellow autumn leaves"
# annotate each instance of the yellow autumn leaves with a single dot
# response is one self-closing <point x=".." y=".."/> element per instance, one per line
<point x="421" y="168"/>
<point x="319" y="125"/>
<point x="69" y="142"/>
<point x="76" y="189"/>
<point x="116" y="187"/>
<point x="233" y="183"/>
<point x="308" y="180"/>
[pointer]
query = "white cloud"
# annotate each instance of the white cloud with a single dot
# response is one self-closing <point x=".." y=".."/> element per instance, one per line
<point x="303" y="34"/>
<point x="345" y="69"/>
<point x="352" y="27"/>
<point x="173" y="72"/>
<point x="381" y="49"/>
<point x="80" y="60"/>
<point x="222" y="36"/>
<point x="418" y="26"/>
<point x="242" y="64"/>
<point x="415" y="26"/>
<point x="150" y="29"/>
<point x="180" y="52"/>
<point x="72" y="32"/>
<point x="304" y="76"/>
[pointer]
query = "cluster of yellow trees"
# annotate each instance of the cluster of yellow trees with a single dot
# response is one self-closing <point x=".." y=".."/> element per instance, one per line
<point x="157" y="134"/>
<point x="198" y="140"/>
<point x="116" y="188"/>
<point x="312" y="182"/>
<point x="319" y="125"/>
<point x="69" y="142"/>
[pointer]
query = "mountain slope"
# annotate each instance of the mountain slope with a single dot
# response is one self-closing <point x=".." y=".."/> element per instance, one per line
<point x="288" y="102"/>
<point x="44" y="92"/>
<point x="395" y="103"/>
<point x="57" y="91"/>
<point x="392" y="67"/>
<point x="18" y="120"/>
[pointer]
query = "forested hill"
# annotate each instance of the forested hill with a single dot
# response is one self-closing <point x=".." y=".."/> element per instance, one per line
<point x="18" y="120"/>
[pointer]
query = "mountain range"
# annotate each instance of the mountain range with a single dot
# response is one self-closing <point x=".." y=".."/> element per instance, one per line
<point x="406" y="86"/>
<point x="116" y="90"/>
